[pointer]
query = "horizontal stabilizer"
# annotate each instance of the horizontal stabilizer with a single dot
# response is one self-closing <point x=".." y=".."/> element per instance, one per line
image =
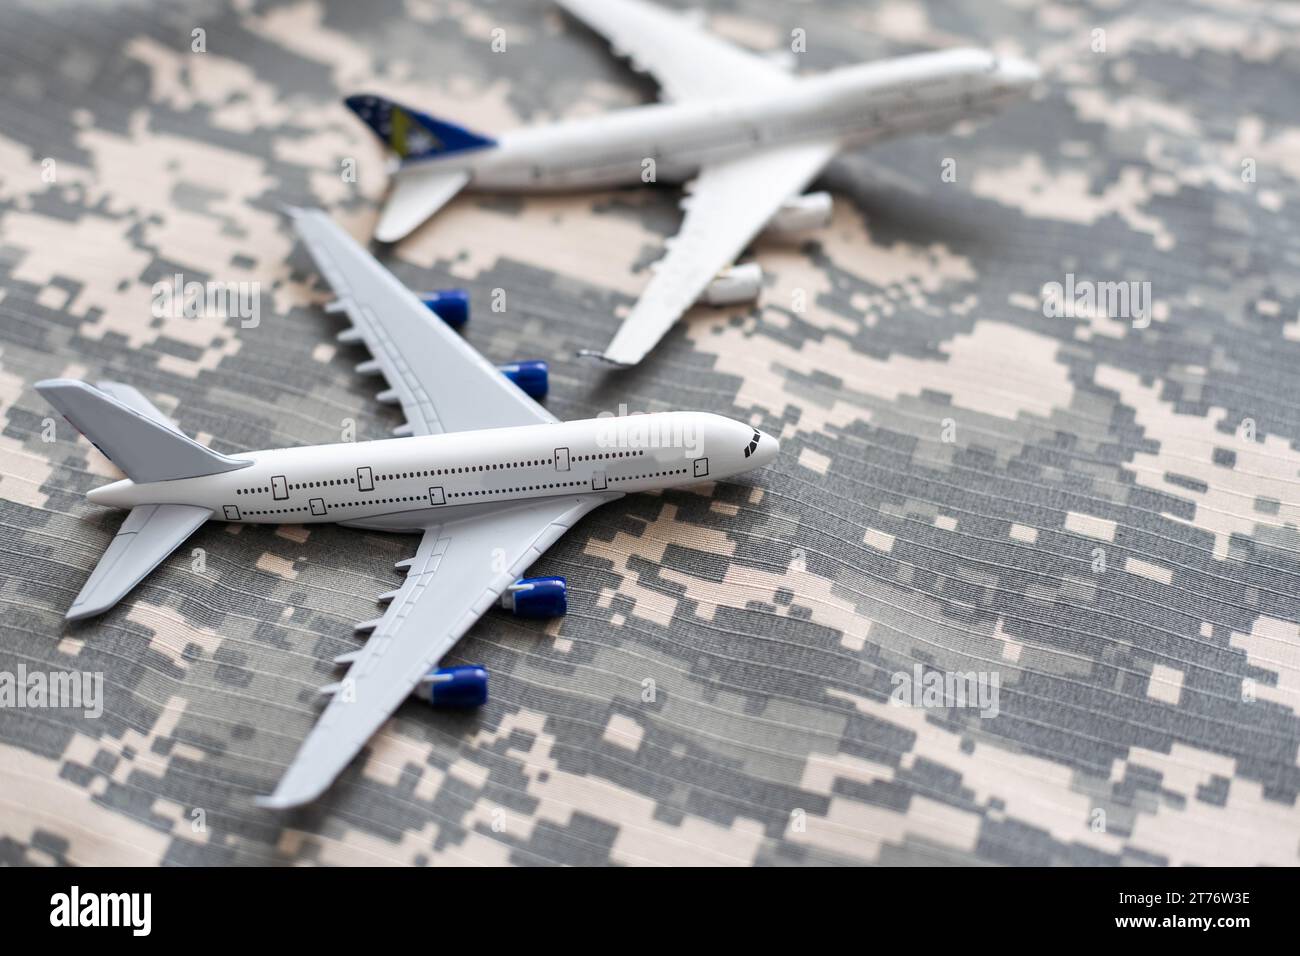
<point x="416" y="195"/>
<point x="147" y="536"/>
<point x="145" y="448"/>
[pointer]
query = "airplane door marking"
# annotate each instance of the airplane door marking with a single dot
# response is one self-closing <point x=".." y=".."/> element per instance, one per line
<point x="232" y="512"/>
<point x="365" y="479"/>
<point x="317" y="506"/>
<point x="279" y="488"/>
<point x="561" y="459"/>
<point x="598" y="481"/>
<point x="701" y="467"/>
<point x="437" y="497"/>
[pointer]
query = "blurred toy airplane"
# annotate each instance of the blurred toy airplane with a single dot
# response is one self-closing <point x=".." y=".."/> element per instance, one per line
<point x="489" y="479"/>
<point x="751" y="134"/>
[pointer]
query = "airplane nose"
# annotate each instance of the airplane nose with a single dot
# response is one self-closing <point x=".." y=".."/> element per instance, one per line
<point x="1019" y="72"/>
<point x="767" y="450"/>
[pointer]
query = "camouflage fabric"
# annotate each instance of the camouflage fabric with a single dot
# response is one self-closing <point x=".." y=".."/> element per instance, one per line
<point x="1089" y="505"/>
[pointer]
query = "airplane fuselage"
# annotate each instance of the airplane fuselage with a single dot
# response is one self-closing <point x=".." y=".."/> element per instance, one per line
<point x="404" y="484"/>
<point x="852" y="106"/>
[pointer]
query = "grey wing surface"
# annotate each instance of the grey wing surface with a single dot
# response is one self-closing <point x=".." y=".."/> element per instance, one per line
<point x="442" y="383"/>
<point x="450" y="583"/>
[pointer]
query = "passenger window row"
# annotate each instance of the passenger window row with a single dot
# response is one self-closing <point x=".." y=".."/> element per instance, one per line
<point x="333" y="482"/>
<point x="344" y="504"/>
<point x="653" y="474"/>
<point x="458" y="494"/>
<point x="536" y="463"/>
<point x="323" y="484"/>
<point x="609" y="454"/>
<point x="506" y="491"/>
<point x="438" y="472"/>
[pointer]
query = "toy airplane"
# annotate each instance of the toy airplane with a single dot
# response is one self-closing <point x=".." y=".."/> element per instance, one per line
<point x="752" y="135"/>
<point x="490" y="480"/>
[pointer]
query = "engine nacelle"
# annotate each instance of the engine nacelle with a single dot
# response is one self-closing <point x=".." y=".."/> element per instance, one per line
<point x="450" y="305"/>
<point x="461" y="687"/>
<point x="537" y="597"/>
<point x="533" y="378"/>
<point x="734" y="285"/>
<point x="801" y="214"/>
<point x="781" y="58"/>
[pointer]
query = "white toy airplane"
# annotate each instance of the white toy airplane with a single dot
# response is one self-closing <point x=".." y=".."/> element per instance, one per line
<point x="751" y="134"/>
<point x="490" y="480"/>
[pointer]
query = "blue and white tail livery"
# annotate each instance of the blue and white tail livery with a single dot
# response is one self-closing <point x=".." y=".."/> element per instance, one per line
<point x="413" y="135"/>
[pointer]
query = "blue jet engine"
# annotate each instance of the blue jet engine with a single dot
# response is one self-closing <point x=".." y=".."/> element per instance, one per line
<point x="537" y="597"/>
<point x="450" y="305"/>
<point x="533" y="378"/>
<point x="462" y="687"/>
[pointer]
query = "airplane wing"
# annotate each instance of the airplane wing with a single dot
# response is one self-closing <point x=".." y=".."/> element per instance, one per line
<point x="726" y="206"/>
<point x="687" y="61"/>
<point x="442" y="383"/>
<point x="463" y="564"/>
<point x="450" y="582"/>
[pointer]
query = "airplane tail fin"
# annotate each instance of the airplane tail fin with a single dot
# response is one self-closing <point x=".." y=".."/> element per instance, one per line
<point x="145" y="448"/>
<point x="411" y="134"/>
<point x="145" y="444"/>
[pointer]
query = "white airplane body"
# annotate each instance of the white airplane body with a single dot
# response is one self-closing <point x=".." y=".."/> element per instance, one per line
<point x="487" y="477"/>
<point x="748" y="134"/>
<point x="851" y="107"/>
<point x="404" y="484"/>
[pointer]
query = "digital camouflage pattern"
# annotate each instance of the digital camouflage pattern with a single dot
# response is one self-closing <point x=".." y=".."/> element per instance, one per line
<point x="1099" y="510"/>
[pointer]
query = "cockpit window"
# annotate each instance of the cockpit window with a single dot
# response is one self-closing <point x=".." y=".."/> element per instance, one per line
<point x="753" y="443"/>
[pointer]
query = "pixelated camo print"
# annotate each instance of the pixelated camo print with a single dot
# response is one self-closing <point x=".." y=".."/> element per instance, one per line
<point x="1096" y="509"/>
